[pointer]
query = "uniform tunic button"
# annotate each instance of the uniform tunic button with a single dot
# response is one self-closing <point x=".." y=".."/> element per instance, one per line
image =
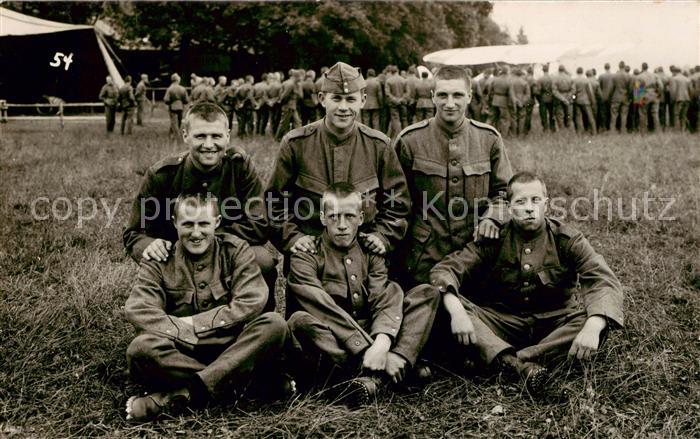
<point x="357" y="343"/>
<point x="223" y="322"/>
<point x="204" y="184"/>
<point x="353" y="277"/>
<point x="526" y="283"/>
<point x="202" y="284"/>
<point x="397" y="318"/>
<point x="528" y="251"/>
<point x="526" y="267"/>
<point x="348" y="261"/>
<point x="200" y="267"/>
<point x="455" y="179"/>
<point x="455" y="163"/>
<point x="355" y="295"/>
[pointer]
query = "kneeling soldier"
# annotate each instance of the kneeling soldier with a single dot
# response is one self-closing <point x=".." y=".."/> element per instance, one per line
<point x="515" y="298"/>
<point x="198" y="317"/>
<point x="350" y="313"/>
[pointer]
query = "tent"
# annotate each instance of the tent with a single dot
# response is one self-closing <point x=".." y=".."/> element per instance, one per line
<point x="42" y="58"/>
<point x="570" y="55"/>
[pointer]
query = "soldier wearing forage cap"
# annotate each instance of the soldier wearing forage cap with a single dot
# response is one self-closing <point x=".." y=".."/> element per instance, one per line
<point x="334" y="149"/>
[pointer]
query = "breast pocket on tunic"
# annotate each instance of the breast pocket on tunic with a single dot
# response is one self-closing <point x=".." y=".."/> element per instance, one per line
<point x="368" y="187"/>
<point x="179" y="301"/>
<point x="476" y="182"/>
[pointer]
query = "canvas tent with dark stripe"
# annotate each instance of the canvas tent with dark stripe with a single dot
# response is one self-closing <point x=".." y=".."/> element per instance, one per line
<point x="42" y="58"/>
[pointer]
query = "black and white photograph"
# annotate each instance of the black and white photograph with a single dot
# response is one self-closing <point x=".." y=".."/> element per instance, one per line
<point x="350" y="219"/>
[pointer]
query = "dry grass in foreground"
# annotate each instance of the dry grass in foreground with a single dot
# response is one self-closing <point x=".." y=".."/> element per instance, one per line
<point x="62" y="288"/>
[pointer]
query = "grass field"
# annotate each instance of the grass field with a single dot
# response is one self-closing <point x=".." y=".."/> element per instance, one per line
<point x="63" y="284"/>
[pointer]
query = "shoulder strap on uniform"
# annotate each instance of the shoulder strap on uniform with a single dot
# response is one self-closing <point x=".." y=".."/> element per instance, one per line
<point x="416" y="126"/>
<point x="174" y="160"/>
<point x="236" y="152"/>
<point x="483" y="125"/>
<point x="375" y="134"/>
<point x="304" y="131"/>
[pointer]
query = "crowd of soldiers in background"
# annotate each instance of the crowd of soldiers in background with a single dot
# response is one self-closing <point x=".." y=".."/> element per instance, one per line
<point x="505" y="97"/>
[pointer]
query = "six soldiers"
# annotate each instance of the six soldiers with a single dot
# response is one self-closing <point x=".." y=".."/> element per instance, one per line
<point x="386" y="246"/>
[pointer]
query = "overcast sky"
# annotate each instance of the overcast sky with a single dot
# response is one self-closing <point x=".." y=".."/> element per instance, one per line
<point x="665" y="31"/>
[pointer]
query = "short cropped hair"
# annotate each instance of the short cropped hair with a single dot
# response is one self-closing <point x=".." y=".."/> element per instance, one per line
<point x="453" y="72"/>
<point x="524" y="177"/>
<point x="340" y="190"/>
<point x="205" y="111"/>
<point x="197" y="199"/>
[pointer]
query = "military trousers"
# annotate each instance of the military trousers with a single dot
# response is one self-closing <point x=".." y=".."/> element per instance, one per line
<point x="564" y="114"/>
<point x="647" y="111"/>
<point x="585" y="110"/>
<point x="262" y="116"/>
<point x="110" y="117"/>
<point x="175" y="122"/>
<point x="529" y="337"/>
<point x="370" y="117"/>
<point x="308" y="114"/>
<point x="164" y="364"/>
<point x="316" y="340"/>
<point x="501" y="118"/>
<point x="527" y="126"/>
<point x="127" y="120"/>
<point x="394" y="121"/>
<point x="289" y="120"/>
<point x="680" y="115"/>
<point x="424" y="113"/>
<point x="547" y="116"/>
<point x="140" y="108"/>
<point x="518" y="120"/>
<point x="619" y="108"/>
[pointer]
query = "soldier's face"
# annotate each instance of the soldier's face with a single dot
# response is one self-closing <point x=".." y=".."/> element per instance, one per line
<point x="451" y="98"/>
<point x="207" y="141"/>
<point x="195" y="227"/>
<point x="528" y="206"/>
<point x="342" y="109"/>
<point x="342" y="217"/>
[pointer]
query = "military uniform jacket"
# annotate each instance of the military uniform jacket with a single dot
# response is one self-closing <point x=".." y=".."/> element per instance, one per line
<point x="563" y="88"/>
<point x="395" y="90"/>
<point x="140" y="92"/>
<point x="521" y="91"/>
<point x="109" y="94"/>
<point x="544" y="86"/>
<point x="423" y="93"/>
<point x="680" y="88"/>
<point x="203" y="93"/>
<point x="375" y="98"/>
<point x="502" y="93"/>
<point x="234" y="182"/>
<point x="288" y="94"/>
<point x="221" y="94"/>
<point x="176" y="97"/>
<point x="622" y="87"/>
<point x="272" y="93"/>
<point x="222" y="291"/>
<point x="311" y="158"/>
<point x="126" y="96"/>
<point x="650" y="87"/>
<point x="583" y="91"/>
<point x="547" y="276"/>
<point x="452" y="176"/>
<point x="606" y="85"/>
<point x="348" y="290"/>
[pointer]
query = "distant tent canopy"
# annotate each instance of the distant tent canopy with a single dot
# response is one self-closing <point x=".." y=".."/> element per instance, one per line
<point x="45" y="58"/>
<point x="571" y="55"/>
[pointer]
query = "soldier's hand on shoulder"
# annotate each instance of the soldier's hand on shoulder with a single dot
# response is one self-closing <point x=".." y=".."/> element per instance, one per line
<point x="487" y="229"/>
<point x="306" y="243"/>
<point x="373" y="243"/>
<point x="157" y="250"/>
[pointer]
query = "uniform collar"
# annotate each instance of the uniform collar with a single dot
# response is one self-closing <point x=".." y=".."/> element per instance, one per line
<point x="192" y="169"/>
<point x="334" y="138"/>
<point x="328" y="244"/>
<point x="451" y="131"/>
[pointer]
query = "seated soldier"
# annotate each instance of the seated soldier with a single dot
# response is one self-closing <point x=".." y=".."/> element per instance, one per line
<point x="200" y="332"/>
<point x="350" y="314"/>
<point x="516" y="298"/>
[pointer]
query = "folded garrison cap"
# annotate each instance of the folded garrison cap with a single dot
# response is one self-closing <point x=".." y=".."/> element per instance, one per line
<point x="342" y="78"/>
